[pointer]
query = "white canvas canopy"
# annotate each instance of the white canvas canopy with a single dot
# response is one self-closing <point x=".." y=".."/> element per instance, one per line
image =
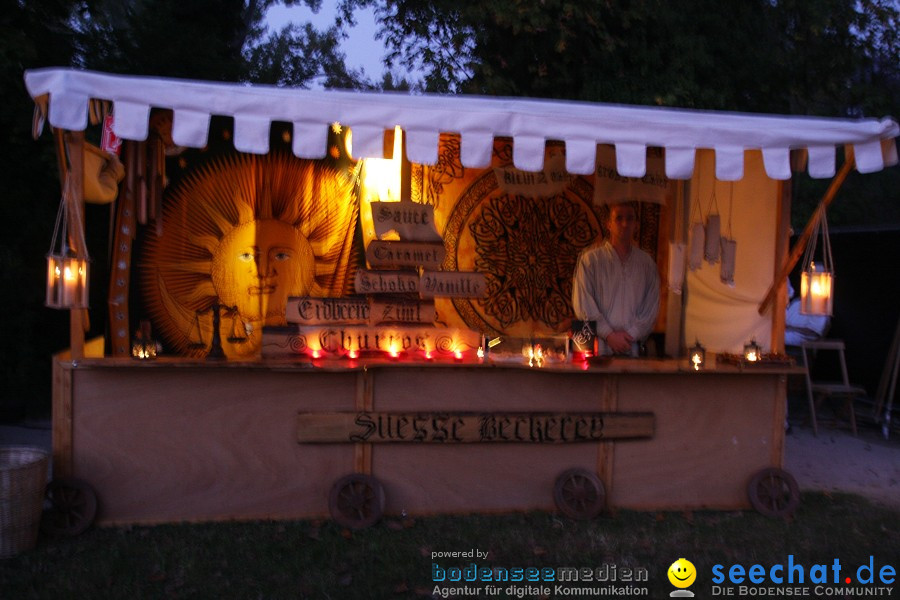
<point x="530" y="123"/>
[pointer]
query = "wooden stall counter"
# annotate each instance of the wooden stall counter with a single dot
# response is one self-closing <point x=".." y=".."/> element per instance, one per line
<point x="184" y="440"/>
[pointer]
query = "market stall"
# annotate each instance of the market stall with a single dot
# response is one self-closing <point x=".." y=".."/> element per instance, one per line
<point x="379" y="323"/>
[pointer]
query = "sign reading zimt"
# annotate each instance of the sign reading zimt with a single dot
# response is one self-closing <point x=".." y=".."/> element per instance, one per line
<point x="455" y="427"/>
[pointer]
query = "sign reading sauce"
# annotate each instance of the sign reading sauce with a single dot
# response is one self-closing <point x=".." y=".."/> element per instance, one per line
<point x="454" y="427"/>
<point x="412" y="221"/>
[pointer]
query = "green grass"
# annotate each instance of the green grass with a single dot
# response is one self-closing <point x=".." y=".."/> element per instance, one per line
<point x="307" y="559"/>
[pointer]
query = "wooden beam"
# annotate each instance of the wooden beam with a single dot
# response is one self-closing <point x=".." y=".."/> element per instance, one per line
<point x="62" y="417"/>
<point x="75" y="147"/>
<point x="782" y="243"/>
<point x="800" y="246"/>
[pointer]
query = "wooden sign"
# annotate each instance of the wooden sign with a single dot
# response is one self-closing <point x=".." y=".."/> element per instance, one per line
<point x="385" y="282"/>
<point x="412" y="221"/>
<point x="610" y="187"/>
<point x="550" y="181"/>
<point x="401" y="312"/>
<point x="335" y="341"/>
<point x="389" y="254"/>
<point x="457" y="427"/>
<point x="452" y="284"/>
<point x="319" y="311"/>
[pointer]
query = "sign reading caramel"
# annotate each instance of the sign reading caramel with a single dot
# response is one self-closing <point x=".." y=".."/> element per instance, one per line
<point x="457" y="427"/>
<point x="388" y="254"/>
<point x="412" y="221"/>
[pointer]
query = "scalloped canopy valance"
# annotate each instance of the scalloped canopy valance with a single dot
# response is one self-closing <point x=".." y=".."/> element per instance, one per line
<point x="530" y="122"/>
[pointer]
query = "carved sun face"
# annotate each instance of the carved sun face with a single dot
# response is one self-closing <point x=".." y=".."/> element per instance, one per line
<point x="257" y="265"/>
<point x="245" y="233"/>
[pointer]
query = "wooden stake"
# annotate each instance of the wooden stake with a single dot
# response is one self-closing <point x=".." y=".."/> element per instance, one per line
<point x="75" y="145"/>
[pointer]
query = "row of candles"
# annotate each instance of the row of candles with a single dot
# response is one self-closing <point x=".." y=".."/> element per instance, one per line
<point x="697" y="354"/>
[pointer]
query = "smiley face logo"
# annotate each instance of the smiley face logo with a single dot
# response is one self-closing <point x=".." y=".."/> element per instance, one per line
<point x="682" y="573"/>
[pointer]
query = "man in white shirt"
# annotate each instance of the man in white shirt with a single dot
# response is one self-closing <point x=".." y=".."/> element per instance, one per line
<point x="616" y="285"/>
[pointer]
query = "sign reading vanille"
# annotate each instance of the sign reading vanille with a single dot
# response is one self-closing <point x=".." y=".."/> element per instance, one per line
<point x="458" y="427"/>
<point x="452" y="284"/>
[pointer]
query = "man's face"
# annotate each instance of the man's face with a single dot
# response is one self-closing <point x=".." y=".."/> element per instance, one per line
<point x="622" y="223"/>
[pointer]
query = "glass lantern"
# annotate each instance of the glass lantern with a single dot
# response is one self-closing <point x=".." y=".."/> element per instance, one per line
<point x="752" y="352"/>
<point x="697" y="356"/>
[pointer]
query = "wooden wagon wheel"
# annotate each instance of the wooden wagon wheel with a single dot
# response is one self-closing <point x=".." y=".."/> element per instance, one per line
<point x="356" y="501"/>
<point x="774" y="492"/>
<point x="579" y="494"/>
<point x="71" y="505"/>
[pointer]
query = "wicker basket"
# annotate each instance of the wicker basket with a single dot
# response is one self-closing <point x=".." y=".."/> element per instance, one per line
<point x="23" y="477"/>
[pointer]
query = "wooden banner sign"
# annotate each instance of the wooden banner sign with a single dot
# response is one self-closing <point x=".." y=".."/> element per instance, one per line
<point x="335" y="341"/>
<point x="320" y="311"/>
<point x="389" y="254"/>
<point x="457" y="427"/>
<point x="540" y="184"/>
<point x="452" y="284"/>
<point x="610" y="187"/>
<point x="401" y="312"/>
<point x="385" y="282"/>
<point x="357" y="311"/>
<point x="412" y="221"/>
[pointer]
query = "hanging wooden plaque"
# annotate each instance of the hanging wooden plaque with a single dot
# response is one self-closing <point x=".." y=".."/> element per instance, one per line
<point x="389" y="254"/>
<point x="459" y="427"/>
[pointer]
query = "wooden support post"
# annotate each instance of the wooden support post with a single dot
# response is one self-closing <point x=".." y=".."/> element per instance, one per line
<point x="362" y="452"/>
<point x="609" y="402"/>
<point x="120" y="271"/>
<point x="405" y="175"/>
<point x="75" y="147"/>
<point x="678" y="231"/>
<point x="778" y="420"/>
<point x="62" y="418"/>
<point x="782" y="243"/>
<point x="800" y="246"/>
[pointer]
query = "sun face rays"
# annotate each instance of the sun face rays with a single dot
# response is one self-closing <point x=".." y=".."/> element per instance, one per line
<point x="246" y="232"/>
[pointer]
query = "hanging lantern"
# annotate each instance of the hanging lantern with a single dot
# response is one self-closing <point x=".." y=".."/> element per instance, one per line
<point x="752" y="351"/>
<point x="67" y="263"/>
<point x="697" y="356"/>
<point x="817" y="279"/>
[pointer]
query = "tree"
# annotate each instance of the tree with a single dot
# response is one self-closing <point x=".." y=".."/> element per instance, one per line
<point x="32" y="34"/>
<point x="802" y="57"/>
<point x="202" y="39"/>
<point x="220" y="40"/>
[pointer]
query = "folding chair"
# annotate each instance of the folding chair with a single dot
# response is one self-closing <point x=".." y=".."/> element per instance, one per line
<point x="836" y="389"/>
